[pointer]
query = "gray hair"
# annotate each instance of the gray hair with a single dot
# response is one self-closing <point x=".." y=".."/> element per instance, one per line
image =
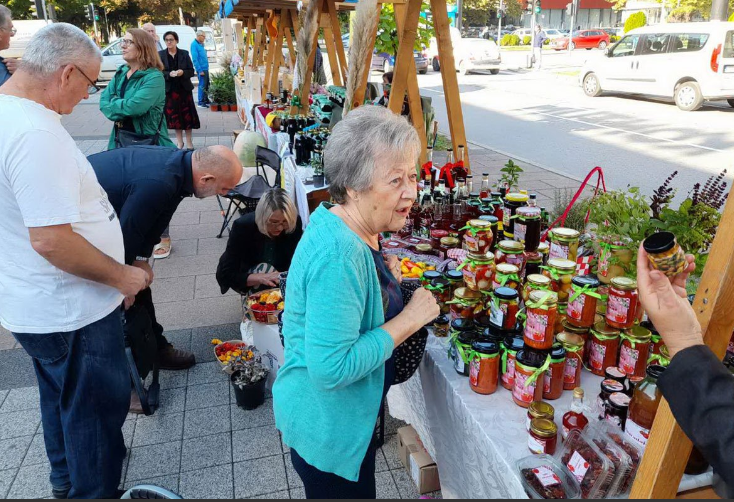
<point x="274" y="200"/>
<point x="200" y="33"/>
<point x="58" y="45"/>
<point x="5" y="16"/>
<point x="367" y="135"/>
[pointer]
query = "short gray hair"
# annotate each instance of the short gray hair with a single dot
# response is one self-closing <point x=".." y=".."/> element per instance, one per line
<point x="274" y="200"/>
<point x="365" y="136"/>
<point x="5" y="16"/>
<point x="200" y="33"/>
<point x="58" y="45"/>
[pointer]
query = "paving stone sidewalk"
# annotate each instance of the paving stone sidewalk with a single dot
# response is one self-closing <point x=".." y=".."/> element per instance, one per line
<point x="199" y="443"/>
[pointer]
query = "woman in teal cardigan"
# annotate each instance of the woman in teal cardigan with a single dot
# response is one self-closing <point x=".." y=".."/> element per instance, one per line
<point x="136" y="96"/>
<point x="344" y="312"/>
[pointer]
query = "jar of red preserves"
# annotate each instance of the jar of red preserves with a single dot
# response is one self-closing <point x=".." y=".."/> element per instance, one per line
<point x="511" y="345"/>
<point x="513" y="201"/>
<point x="542" y="310"/>
<point x="436" y="235"/>
<point x="574" y="361"/>
<point x="478" y="270"/>
<point x="506" y="275"/>
<point x="543" y="436"/>
<point x="608" y="387"/>
<point x="478" y="236"/>
<point x="466" y="304"/>
<point x="530" y="368"/>
<point x="539" y="409"/>
<point x="493" y="225"/>
<point x="503" y="308"/>
<point x="533" y="263"/>
<point x="535" y="282"/>
<point x="511" y="252"/>
<point x="527" y="227"/>
<point x="634" y="350"/>
<point x="485" y="367"/>
<point x="603" y="347"/>
<point x="561" y="273"/>
<point x="622" y="303"/>
<point x="582" y="301"/>
<point x="447" y="243"/>
<point x="553" y="380"/>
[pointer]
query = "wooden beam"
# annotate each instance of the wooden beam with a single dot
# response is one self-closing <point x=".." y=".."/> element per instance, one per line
<point x="260" y="38"/>
<point x="270" y="62"/>
<point x="278" y="56"/>
<point x="362" y="88"/>
<point x="247" y="40"/>
<point x="668" y="448"/>
<point x="289" y="40"/>
<point x="336" y="75"/>
<point x="305" y="86"/>
<point x="295" y="22"/>
<point x="336" y="29"/>
<point x="448" y="74"/>
<point x="404" y="59"/>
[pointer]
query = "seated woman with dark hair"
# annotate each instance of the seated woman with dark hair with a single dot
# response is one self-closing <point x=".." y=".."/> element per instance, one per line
<point x="261" y="245"/>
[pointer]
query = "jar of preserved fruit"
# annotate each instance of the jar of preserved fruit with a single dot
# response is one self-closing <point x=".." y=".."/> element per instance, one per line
<point x="544" y="250"/>
<point x="608" y="387"/>
<point x="485" y="367"/>
<point x="542" y="310"/>
<point x="616" y="373"/>
<point x="495" y="232"/>
<point x="441" y="326"/>
<point x="513" y="201"/>
<point x="436" y="235"/>
<point x="553" y="380"/>
<point x="511" y="252"/>
<point x="601" y="303"/>
<point x="561" y="273"/>
<point x="447" y="243"/>
<point x="535" y="282"/>
<point x="603" y="347"/>
<point x="533" y="263"/>
<point x="456" y="280"/>
<point x="539" y="409"/>
<point x="582" y="301"/>
<point x="506" y="275"/>
<point x="503" y="308"/>
<point x="543" y="436"/>
<point x="462" y="335"/>
<point x="473" y="208"/>
<point x="634" y="350"/>
<point x="664" y="253"/>
<point x="441" y="291"/>
<point x="530" y="368"/>
<point x="527" y="227"/>
<point x="644" y="406"/>
<point x="614" y="257"/>
<point x="622" y="303"/>
<point x="429" y="276"/>
<point x="466" y="304"/>
<point x="617" y="408"/>
<point x="511" y="345"/>
<point x="478" y="270"/>
<point x="574" y="361"/>
<point x="564" y="243"/>
<point x="478" y="237"/>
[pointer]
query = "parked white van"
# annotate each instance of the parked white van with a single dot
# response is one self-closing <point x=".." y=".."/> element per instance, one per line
<point x="688" y="62"/>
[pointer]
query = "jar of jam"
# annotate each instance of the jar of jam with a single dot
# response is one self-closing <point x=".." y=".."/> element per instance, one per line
<point x="616" y="373"/>
<point x="608" y="387"/>
<point x="603" y="347"/>
<point x="665" y="254"/>
<point x="564" y="243"/>
<point x="436" y="235"/>
<point x="513" y="201"/>
<point x="539" y="409"/>
<point x="616" y="410"/>
<point x="494" y="334"/>
<point x="662" y="359"/>
<point x="425" y="249"/>
<point x="429" y="276"/>
<point x="473" y="207"/>
<point x="582" y="332"/>
<point x="478" y="270"/>
<point x="634" y="350"/>
<point x="530" y="368"/>
<point x="441" y="291"/>
<point x="466" y="304"/>
<point x="582" y="301"/>
<point x="535" y="282"/>
<point x="542" y="310"/>
<point x="543" y="437"/>
<point x="561" y="273"/>
<point x="527" y="227"/>
<point x="485" y="367"/>
<point x="462" y="335"/>
<point x="506" y="275"/>
<point x="503" y="308"/>
<point x="622" y="303"/>
<point x="511" y="252"/>
<point x="533" y="262"/>
<point x="445" y="245"/>
<point x="644" y="406"/>
<point x="574" y="346"/>
<point x="478" y="237"/>
<point x="553" y="380"/>
<point x="441" y="326"/>
<point x="511" y="345"/>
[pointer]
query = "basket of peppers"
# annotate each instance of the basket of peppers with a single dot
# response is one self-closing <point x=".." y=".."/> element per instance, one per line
<point x="265" y="306"/>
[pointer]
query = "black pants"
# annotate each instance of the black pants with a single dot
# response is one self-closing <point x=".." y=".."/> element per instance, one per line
<point x="325" y="485"/>
<point x="145" y="299"/>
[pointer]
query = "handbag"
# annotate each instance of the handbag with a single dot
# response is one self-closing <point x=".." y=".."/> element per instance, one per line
<point x="141" y="350"/>
<point x="409" y="354"/>
<point x="124" y="138"/>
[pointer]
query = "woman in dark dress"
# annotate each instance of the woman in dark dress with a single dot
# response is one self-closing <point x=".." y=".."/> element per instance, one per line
<point x="178" y="69"/>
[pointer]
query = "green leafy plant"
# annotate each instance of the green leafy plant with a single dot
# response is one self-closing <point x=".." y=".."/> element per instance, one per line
<point x="636" y="20"/>
<point x="614" y="39"/>
<point x="510" y="40"/>
<point x="526" y="40"/>
<point x="222" y="88"/>
<point x="576" y="217"/>
<point x="387" y="40"/>
<point x="510" y="176"/>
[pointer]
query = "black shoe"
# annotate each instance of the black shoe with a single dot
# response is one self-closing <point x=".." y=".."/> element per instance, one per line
<point x="60" y="494"/>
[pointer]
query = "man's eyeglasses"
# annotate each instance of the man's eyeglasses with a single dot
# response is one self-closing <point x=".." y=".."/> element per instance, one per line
<point x="170" y="40"/>
<point x="93" y="88"/>
<point x="127" y="43"/>
<point x="12" y="31"/>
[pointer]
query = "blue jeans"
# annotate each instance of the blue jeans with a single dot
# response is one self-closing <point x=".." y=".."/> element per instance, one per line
<point x="84" y="384"/>
<point x="204" y="88"/>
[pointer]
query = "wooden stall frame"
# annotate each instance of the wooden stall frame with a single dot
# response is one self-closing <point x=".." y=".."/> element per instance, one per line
<point x="250" y="29"/>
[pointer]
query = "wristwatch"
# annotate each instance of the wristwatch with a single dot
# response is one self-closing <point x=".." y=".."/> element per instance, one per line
<point x="143" y="258"/>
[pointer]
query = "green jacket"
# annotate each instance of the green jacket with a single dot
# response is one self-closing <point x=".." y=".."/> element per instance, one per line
<point x="144" y="102"/>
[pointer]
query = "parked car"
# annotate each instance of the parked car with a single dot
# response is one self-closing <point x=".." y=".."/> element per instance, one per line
<point x="613" y="32"/>
<point x="386" y="62"/>
<point x="553" y="34"/>
<point x="584" y="39"/>
<point x="432" y="50"/>
<point x="688" y="62"/>
<point x="474" y="54"/>
<point x="523" y="32"/>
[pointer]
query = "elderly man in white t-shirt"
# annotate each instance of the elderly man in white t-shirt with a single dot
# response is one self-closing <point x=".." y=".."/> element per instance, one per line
<point x="62" y="272"/>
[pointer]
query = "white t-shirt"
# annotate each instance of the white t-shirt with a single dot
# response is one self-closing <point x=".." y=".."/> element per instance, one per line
<point x="45" y="180"/>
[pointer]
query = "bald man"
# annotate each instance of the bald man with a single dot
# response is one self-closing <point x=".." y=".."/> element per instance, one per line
<point x="150" y="29"/>
<point x="145" y="185"/>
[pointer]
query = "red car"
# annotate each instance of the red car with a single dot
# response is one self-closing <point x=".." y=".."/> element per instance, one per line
<point x="585" y="39"/>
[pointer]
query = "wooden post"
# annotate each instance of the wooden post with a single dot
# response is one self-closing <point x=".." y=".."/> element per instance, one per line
<point x="289" y="40"/>
<point x="278" y="56"/>
<point x="305" y="87"/>
<point x="359" y="93"/>
<point x="336" y="74"/>
<point x="269" y="63"/>
<point x="448" y="74"/>
<point x="260" y="38"/>
<point x="404" y="59"/>
<point x="668" y="448"/>
<point x="248" y="39"/>
<point x="336" y="29"/>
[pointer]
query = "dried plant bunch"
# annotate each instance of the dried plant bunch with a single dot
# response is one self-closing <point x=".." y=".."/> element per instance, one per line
<point x="364" y="25"/>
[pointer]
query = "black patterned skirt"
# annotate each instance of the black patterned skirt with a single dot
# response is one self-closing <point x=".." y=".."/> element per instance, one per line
<point x="181" y="111"/>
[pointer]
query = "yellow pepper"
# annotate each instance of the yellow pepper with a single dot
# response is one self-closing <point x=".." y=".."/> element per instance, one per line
<point x="216" y="341"/>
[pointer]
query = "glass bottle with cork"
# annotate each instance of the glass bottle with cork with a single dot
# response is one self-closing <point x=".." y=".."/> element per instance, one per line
<point x="575" y="419"/>
<point x="459" y="171"/>
<point x="427" y="171"/>
<point x="484" y="191"/>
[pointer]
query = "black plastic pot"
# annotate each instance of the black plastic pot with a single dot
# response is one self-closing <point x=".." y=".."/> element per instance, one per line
<point x="249" y="397"/>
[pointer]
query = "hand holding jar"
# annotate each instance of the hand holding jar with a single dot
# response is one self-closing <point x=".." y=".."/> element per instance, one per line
<point x="422" y="308"/>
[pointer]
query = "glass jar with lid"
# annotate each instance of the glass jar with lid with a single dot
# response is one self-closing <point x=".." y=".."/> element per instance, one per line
<point x="564" y="243"/>
<point x="493" y="222"/>
<point x="513" y="201"/>
<point x="582" y="301"/>
<point x="603" y="347"/>
<point x="511" y="345"/>
<point x="425" y="248"/>
<point x="428" y="276"/>
<point x="506" y="275"/>
<point x="446" y="244"/>
<point x="644" y="406"/>
<point x="665" y="254"/>
<point x="574" y="346"/>
<point x="617" y="408"/>
<point x="527" y="227"/>
<point x="541" y="310"/>
<point x="503" y="308"/>
<point x="561" y="273"/>
<point x="461" y="335"/>
<point x="484" y="367"/>
<point x="553" y="380"/>
<point x="437" y="234"/>
<point x="608" y="387"/>
<point x="535" y="282"/>
<point x="622" y="303"/>
<point x="530" y="368"/>
<point x="533" y="262"/>
<point x="539" y="409"/>
<point x="634" y="350"/>
<point x="478" y="270"/>
<point x="455" y="278"/>
<point x="544" y="250"/>
<point x="478" y="237"/>
<point x="543" y="436"/>
<point x="466" y="304"/>
<point x="511" y="252"/>
<point x="615" y="256"/>
<point x="441" y="326"/>
<point x="441" y="291"/>
<point x="656" y="341"/>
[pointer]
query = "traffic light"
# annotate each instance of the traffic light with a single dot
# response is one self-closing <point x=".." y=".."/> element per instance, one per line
<point x="537" y="7"/>
<point x="529" y="7"/>
<point x="96" y="15"/>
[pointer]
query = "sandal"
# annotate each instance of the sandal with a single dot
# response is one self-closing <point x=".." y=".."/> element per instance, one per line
<point x="162" y="250"/>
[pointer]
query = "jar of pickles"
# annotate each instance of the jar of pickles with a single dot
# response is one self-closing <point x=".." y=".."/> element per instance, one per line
<point x="574" y="346"/>
<point x="513" y="201"/>
<point x="542" y="310"/>
<point x="484" y="367"/>
<point x="466" y="304"/>
<point x="553" y="380"/>
<point x="455" y="278"/>
<point x="665" y="254"/>
<point x="535" y="282"/>
<point x="582" y="301"/>
<point x="603" y="347"/>
<point x="635" y="350"/>
<point x="441" y="291"/>
<point x="429" y="276"/>
<point x="506" y="275"/>
<point x="614" y="258"/>
<point x="510" y="346"/>
<point x="533" y="262"/>
<point x="511" y="252"/>
<point x="561" y="273"/>
<point x="527" y="227"/>
<point x="503" y="308"/>
<point x="478" y="270"/>
<point x="478" y="237"/>
<point x="460" y="347"/>
<point x="564" y="243"/>
<point x="530" y="368"/>
<point x="622" y="303"/>
<point x="446" y="244"/>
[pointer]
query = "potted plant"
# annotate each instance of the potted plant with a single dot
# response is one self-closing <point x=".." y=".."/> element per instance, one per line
<point x="215" y="95"/>
<point x="248" y="378"/>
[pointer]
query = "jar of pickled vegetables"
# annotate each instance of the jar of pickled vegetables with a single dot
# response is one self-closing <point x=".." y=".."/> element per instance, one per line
<point x="542" y="310"/>
<point x="460" y="348"/>
<point x="574" y="361"/>
<point x="511" y="345"/>
<point x="603" y="348"/>
<point x="527" y="227"/>
<point x="493" y="221"/>
<point x="635" y="350"/>
<point x="446" y="244"/>
<point x="478" y="270"/>
<point x="582" y="301"/>
<point x="622" y="303"/>
<point x="511" y="252"/>
<point x="665" y="254"/>
<point x="553" y="380"/>
<point x="561" y="273"/>
<point x="466" y="304"/>
<point x="533" y="263"/>
<point x="478" y="237"/>
<point x="530" y="368"/>
<point x="513" y="201"/>
<point x="428" y="276"/>
<point x="506" y="275"/>
<point x="503" y="308"/>
<point x="535" y="282"/>
<point x="614" y="257"/>
<point x="564" y="243"/>
<point x="441" y="291"/>
<point x="456" y="280"/>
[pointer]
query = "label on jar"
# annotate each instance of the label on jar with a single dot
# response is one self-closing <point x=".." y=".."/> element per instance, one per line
<point x="520" y="391"/>
<point x="474" y="372"/>
<point x="547" y="382"/>
<point x="638" y="434"/>
<point x="603" y="268"/>
<point x="618" y="309"/>
<point x="558" y="250"/>
<point x="470" y="277"/>
<point x="569" y="370"/>
<point x="535" y="446"/>
<point x="546" y="476"/>
<point x="497" y="313"/>
<point x="471" y="243"/>
<point x="535" y="327"/>
<point x="628" y="359"/>
<point x="515" y="259"/>
<point x="506" y="218"/>
<point x="596" y="358"/>
<point x="509" y="376"/>
<point x="578" y="466"/>
<point x="576" y="307"/>
<point x="520" y="231"/>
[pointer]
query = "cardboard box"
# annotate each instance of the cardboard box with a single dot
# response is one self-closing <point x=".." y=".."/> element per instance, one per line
<point x="417" y="461"/>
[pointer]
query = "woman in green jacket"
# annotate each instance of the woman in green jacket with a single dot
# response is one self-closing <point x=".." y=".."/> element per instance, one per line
<point x="136" y="96"/>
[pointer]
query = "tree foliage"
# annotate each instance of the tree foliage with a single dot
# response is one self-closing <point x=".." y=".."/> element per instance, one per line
<point x="483" y="12"/>
<point x="636" y="20"/>
<point x="682" y="11"/>
<point x="387" y="40"/>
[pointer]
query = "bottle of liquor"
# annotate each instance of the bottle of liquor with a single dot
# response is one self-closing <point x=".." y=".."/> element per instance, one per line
<point x="574" y="419"/>
<point x="485" y="190"/>
<point x="427" y="170"/>
<point x="448" y="168"/>
<point x="459" y="169"/>
<point x="469" y="185"/>
<point x="426" y="215"/>
<point x="533" y="200"/>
